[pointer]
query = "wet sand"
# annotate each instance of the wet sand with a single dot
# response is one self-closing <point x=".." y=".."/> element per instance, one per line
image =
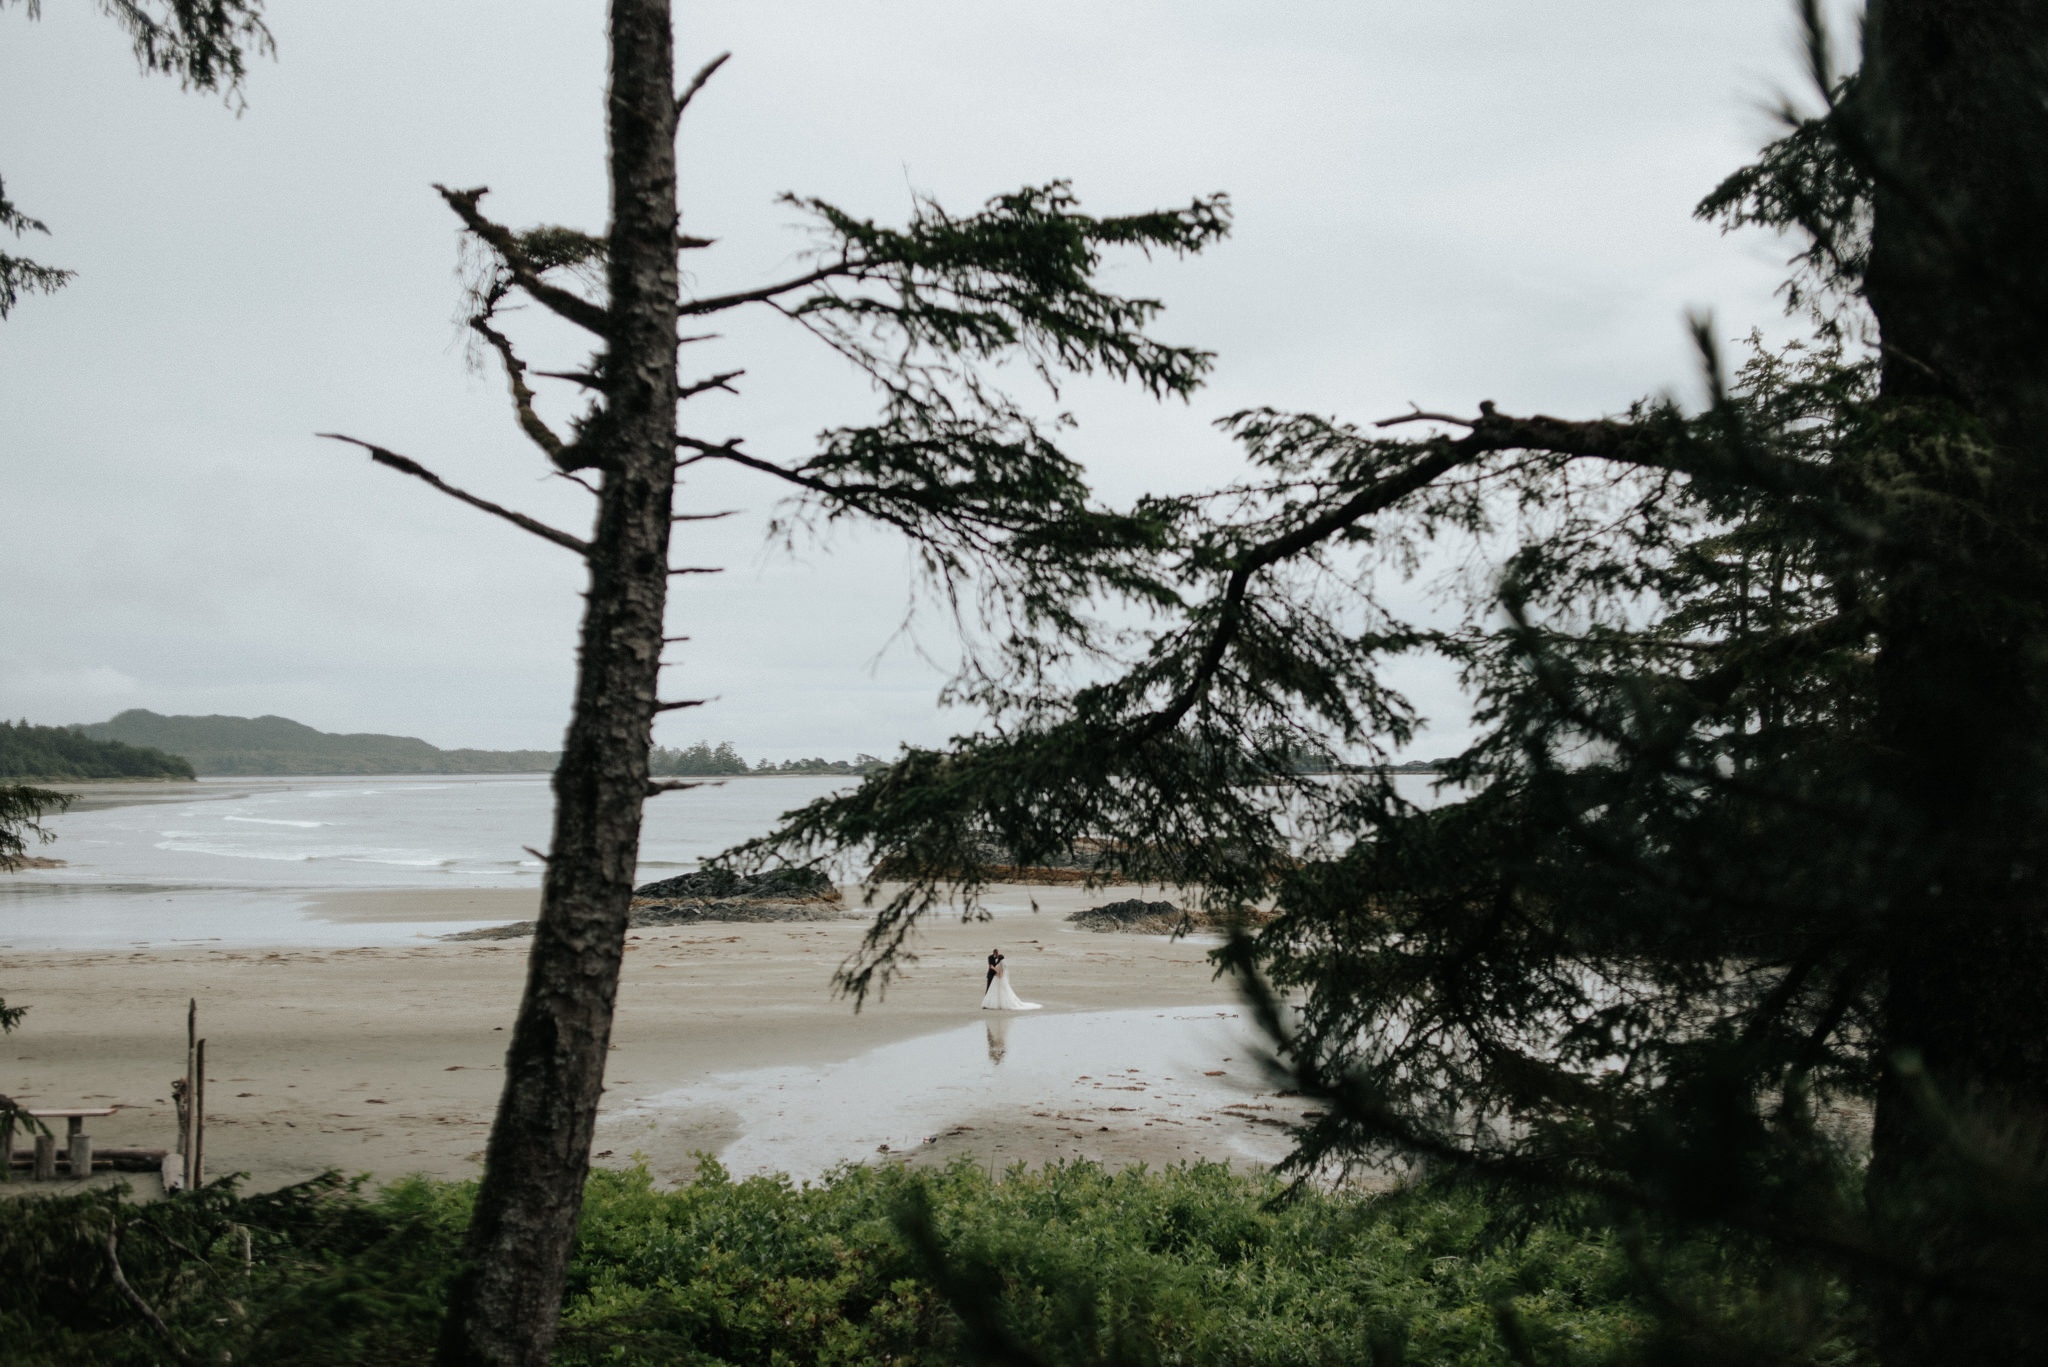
<point x="387" y="1060"/>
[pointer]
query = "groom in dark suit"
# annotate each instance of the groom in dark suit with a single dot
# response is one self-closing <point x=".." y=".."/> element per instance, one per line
<point x="995" y="959"/>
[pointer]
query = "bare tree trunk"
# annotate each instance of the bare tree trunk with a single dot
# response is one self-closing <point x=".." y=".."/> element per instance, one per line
<point x="506" y="1304"/>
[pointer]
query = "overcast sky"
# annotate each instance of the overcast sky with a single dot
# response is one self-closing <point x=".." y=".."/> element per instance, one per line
<point x="1440" y="203"/>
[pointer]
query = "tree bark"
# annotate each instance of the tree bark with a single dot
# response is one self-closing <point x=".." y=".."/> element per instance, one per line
<point x="1951" y="103"/>
<point x="507" y="1301"/>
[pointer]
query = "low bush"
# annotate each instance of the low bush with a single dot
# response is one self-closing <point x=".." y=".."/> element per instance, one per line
<point x="1066" y="1265"/>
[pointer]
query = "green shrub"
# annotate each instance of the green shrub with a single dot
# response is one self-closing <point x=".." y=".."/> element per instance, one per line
<point x="1066" y="1265"/>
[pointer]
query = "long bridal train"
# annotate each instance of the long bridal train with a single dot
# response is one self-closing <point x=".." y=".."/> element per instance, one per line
<point x="1002" y="997"/>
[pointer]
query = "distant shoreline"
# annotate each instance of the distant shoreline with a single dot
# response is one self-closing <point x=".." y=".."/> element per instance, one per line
<point x="59" y="781"/>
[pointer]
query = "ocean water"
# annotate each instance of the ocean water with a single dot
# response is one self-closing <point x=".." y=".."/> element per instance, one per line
<point x="239" y="860"/>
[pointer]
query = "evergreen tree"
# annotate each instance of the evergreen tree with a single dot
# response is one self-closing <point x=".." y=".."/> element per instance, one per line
<point x="204" y="43"/>
<point x="951" y="462"/>
<point x="1752" y="843"/>
<point x="22" y="809"/>
<point x="699" y="760"/>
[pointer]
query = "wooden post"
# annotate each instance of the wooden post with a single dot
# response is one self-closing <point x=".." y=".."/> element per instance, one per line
<point x="46" y="1157"/>
<point x="81" y="1153"/>
<point x="181" y="1098"/>
<point x="197" y="1159"/>
<point x="185" y="1101"/>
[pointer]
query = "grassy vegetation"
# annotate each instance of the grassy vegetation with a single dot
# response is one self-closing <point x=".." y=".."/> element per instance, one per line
<point x="1066" y="1265"/>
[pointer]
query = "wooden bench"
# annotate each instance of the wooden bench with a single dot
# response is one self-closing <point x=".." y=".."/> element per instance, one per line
<point x="78" y="1144"/>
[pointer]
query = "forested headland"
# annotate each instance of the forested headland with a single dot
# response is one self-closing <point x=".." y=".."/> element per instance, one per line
<point x="63" y="752"/>
<point x="248" y="747"/>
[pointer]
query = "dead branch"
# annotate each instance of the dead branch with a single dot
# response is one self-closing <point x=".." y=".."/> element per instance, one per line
<point x="530" y="421"/>
<point x="141" y="1306"/>
<point x="526" y="272"/>
<point x="703" y="517"/>
<point x="656" y="787"/>
<point x="730" y="450"/>
<point x="536" y="854"/>
<point x="680" y="705"/>
<point x="704" y="73"/>
<point x="407" y="466"/>
<point x="723" y="381"/>
<point x="719" y="302"/>
<point x="1417" y="415"/>
<point x="698" y="569"/>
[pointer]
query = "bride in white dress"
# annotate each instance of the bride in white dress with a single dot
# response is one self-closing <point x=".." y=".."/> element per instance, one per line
<point x="1001" y="996"/>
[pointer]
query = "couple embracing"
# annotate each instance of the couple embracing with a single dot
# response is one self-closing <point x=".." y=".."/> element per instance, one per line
<point x="1000" y="995"/>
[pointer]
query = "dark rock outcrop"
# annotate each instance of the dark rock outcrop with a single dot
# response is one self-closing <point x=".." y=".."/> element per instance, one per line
<point x="776" y="885"/>
<point x="714" y="896"/>
<point x="1136" y="917"/>
<point x="1087" y="860"/>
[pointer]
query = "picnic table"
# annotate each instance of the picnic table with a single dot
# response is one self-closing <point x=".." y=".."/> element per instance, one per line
<point x="78" y="1144"/>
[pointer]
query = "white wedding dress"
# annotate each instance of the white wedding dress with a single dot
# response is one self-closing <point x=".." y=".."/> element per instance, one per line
<point x="1003" y="997"/>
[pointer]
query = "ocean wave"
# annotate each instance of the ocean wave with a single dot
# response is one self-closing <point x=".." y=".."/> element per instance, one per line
<point x="190" y="842"/>
<point x="276" y="821"/>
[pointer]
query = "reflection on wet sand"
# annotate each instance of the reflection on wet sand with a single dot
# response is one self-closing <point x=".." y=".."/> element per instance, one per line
<point x="1118" y="1086"/>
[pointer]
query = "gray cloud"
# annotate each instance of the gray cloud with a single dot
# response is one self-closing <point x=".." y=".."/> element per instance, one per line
<point x="1439" y="203"/>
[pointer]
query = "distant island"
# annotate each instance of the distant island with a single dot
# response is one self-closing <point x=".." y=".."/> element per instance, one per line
<point x="252" y="747"/>
<point x="64" y="753"/>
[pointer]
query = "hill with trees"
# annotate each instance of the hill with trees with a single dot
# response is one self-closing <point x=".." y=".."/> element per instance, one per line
<point x="252" y="746"/>
<point x="63" y="752"/>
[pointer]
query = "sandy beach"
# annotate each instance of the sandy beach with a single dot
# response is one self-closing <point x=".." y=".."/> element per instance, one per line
<point x="386" y="1059"/>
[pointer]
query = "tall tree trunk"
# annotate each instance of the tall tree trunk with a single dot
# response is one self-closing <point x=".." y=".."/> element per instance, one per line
<point x="506" y="1304"/>
<point x="1951" y="100"/>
